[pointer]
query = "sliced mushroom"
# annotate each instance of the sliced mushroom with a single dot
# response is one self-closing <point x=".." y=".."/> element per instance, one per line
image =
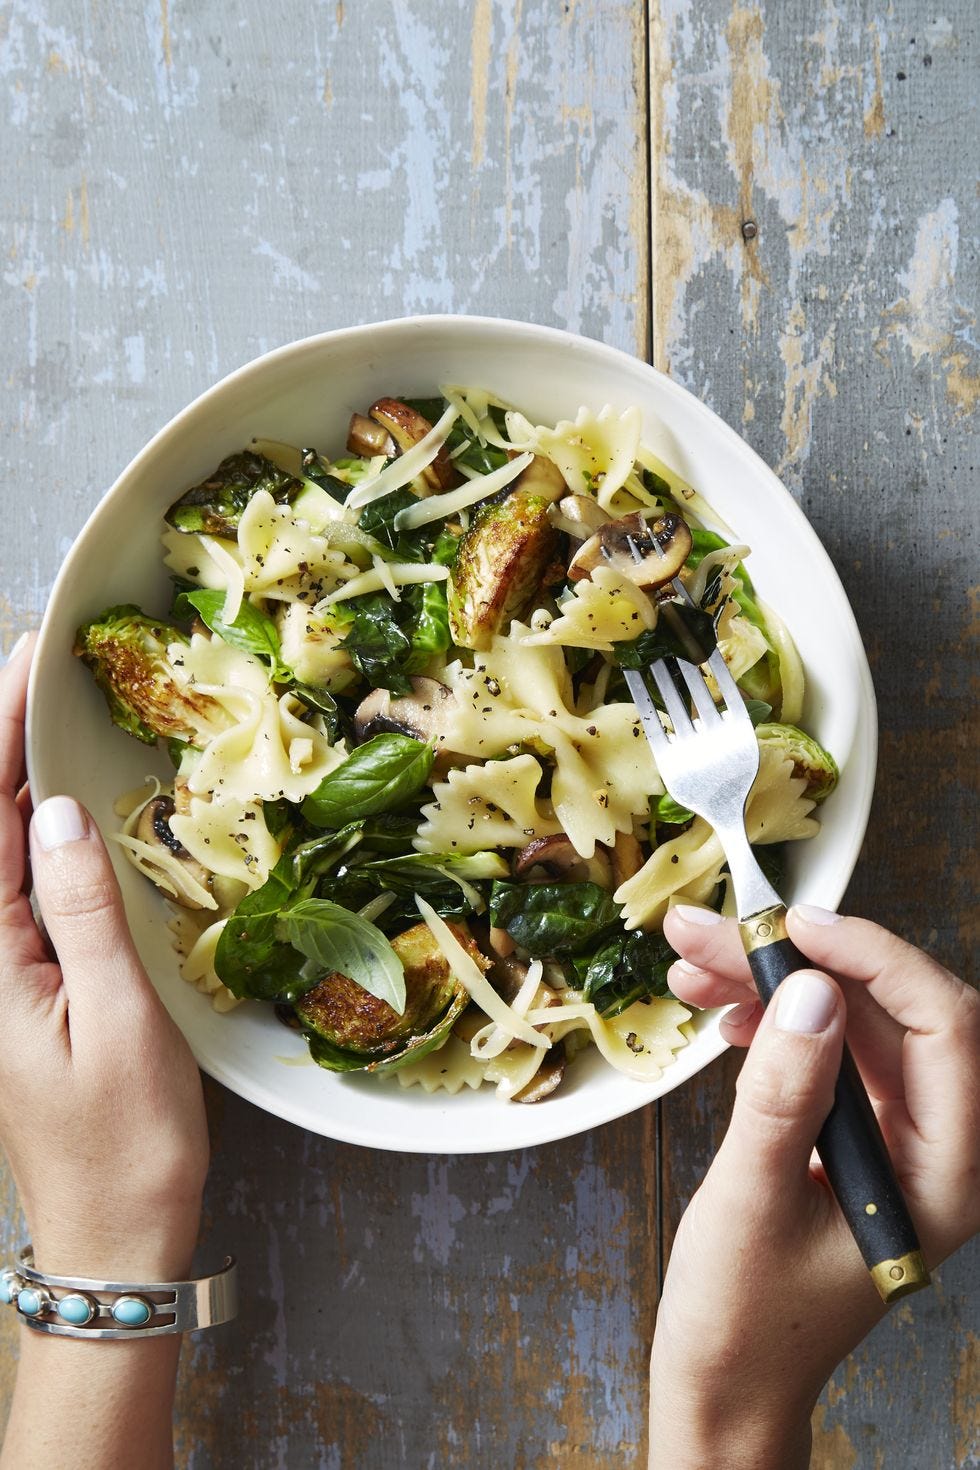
<point x="664" y="546"/>
<point x="543" y="478"/>
<point x="368" y="438"/>
<point x="154" y="829"/>
<point x="627" y="858"/>
<point x="546" y="1078"/>
<point x="558" y="859"/>
<point x="421" y="714"/>
<point x="507" y="974"/>
<point x="407" y="426"/>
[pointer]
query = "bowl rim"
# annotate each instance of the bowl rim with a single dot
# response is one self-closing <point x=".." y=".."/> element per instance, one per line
<point x="464" y="325"/>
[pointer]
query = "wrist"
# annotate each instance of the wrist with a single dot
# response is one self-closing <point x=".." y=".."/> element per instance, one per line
<point x="157" y="1250"/>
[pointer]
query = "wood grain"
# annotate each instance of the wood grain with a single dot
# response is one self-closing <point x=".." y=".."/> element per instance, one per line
<point x="840" y="341"/>
<point x="186" y="186"/>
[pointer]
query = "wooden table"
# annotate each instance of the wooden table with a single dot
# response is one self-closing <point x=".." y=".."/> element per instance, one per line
<point x="772" y="201"/>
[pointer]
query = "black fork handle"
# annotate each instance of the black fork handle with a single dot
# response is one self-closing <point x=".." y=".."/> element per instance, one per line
<point x="850" y="1144"/>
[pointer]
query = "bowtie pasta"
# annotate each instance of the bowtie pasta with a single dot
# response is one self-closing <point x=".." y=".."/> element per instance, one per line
<point x="412" y="804"/>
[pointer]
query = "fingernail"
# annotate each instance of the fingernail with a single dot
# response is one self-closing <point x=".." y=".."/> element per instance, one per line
<point x="18" y="646"/>
<point x="59" y="820"/>
<point x="686" y="968"/>
<point x="805" y="1003"/>
<point x="811" y="914"/>
<point x="744" y="1011"/>
<point x="692" y="915"/>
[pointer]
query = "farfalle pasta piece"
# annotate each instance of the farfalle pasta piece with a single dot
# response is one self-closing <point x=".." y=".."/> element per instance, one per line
<point x="486" y="806"/>
<point x="228" y="837"/>
<point x="269" y="751"/>
<point x="777" y="811"/>
<point x="595" y="453"/>
<point x="283" y="559"/>
<point x="449" y="1069"/>
<point x="604" y="609"/>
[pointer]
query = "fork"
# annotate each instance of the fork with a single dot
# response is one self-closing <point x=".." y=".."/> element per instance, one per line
<point x="708" y="764"/>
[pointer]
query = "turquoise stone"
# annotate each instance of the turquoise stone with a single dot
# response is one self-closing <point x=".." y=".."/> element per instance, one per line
<point x="129" y="1311"/>
<point x="75" y="1310"/>
<point x="29" y="1301"/>
<point x="8" y="1290"/>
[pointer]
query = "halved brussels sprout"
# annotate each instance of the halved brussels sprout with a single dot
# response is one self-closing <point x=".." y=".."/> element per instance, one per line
<point x="127" y="653"/>
<point x="215" y="507"/>
<point x="349" y="1030"/>
<point x="809" y="759"/>
<point x="500" y="565"/>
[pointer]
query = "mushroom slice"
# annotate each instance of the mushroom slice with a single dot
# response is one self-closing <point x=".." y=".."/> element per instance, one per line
<point x="421" y="714"/>
<point x="582" y="516"/>
<point x="154" y="829"/>
<point x="542" y="477"/>
<point x="558" y="859"/>
<point x="664" y="546"/>
<point x="546" y="1078"/>
<point x="367" y="438"/>
<point x="627" y="858"/>
<point x="407" y="426"/>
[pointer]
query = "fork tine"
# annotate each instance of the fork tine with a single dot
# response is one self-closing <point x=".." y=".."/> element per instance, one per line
<point x="674" y="705"/>
<point x="699" y="692"/>
<point x="734" y="702"/>
<point x="648" y="712"/>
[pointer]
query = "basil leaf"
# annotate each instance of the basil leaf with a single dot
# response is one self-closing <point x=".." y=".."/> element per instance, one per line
<point x="252" y="631"/>
<point x="552" y="918"/>
<point x="670" y="811"/>
<point x="758" y="710"/>
<point x="251" y="958"/>
<point x="335" y="940"/>
<point x="378" y="775"/>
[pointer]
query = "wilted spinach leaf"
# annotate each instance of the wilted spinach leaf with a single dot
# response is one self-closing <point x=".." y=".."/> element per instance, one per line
<point x="552" y="918"/>
<point x="627" y="967"/>
<point x="668" y="639"/>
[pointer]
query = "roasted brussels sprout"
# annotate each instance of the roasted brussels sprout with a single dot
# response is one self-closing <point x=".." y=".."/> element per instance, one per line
<point x="349" y="1030"/>
<point x="127" y="653"/>
<point x="809" y="759"/>
<point x="215" y="507"/>
<point x="501" y="564"/>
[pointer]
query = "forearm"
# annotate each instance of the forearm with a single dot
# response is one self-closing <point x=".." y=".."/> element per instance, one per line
<point x="704" y="1436"/>
<point x="92" y="1405"/>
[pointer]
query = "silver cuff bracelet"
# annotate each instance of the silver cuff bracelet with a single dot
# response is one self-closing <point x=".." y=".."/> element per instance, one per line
<point x="74" y="1306"/>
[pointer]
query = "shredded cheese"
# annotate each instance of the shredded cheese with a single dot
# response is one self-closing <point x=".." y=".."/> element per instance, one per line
<point x="434" y="507"/>
<point x="396" y="574"/>
<point x="471" y="977"/>
<point x="406" y="466"/>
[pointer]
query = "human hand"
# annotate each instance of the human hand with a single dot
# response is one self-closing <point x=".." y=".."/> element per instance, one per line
<point x="101" y="1109"/>
<point x="766" y="1290"/>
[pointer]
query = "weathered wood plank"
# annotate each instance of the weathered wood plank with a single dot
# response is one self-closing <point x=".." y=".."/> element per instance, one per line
<point x="839" y="340"/>
<point x="186" y="186"/>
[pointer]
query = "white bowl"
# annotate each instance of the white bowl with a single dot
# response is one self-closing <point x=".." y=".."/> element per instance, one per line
<point x="304" y="394"/>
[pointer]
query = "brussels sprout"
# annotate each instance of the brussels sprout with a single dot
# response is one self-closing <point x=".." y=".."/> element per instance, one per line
<point x="349" y="1030"/>
<point x="215" y="507"/>
<point x="810" y="760"/>
<point x="127" y="653"/>
<point x="500" y="565"/>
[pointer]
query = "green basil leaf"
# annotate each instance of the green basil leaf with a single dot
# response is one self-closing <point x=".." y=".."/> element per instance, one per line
<point x="335" y="940"/>
<point x="252" y="631"/>
<point x="250" y="957"/>
<point x="758" y="710"/>
<point x="670" y="811"/>
<point x="552" y="919"/>
<point x="380" y="774"/>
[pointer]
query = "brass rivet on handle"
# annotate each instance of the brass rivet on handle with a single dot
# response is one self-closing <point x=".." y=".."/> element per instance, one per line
<point x="871" y="1209"/>
<point x="897" y="1272"/>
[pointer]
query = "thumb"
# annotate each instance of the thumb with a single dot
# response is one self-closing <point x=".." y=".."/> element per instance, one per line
<point x="785" y="1091"/>
<point x="82" y="910"/>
